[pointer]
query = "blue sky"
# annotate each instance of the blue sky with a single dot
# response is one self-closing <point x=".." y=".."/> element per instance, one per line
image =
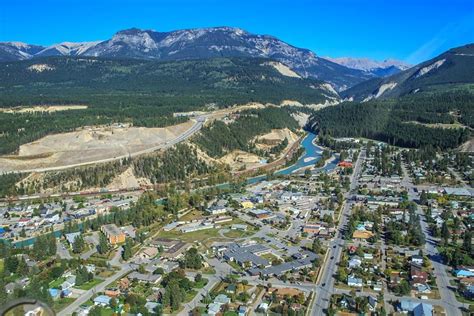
<point x="408" y="30"/>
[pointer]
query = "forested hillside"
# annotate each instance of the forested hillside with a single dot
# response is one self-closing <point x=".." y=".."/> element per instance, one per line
<point x="176" y="164"/>
<point x="144" y="93"/>
<point x="442" y="120"/>
<point x="221" y="138"/>
<point x="452" y="68"/>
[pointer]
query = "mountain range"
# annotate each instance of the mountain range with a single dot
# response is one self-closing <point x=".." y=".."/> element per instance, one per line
<point x="453" y="67"/>
<point x="202" y="43"/>
<point x="377" y="68"/>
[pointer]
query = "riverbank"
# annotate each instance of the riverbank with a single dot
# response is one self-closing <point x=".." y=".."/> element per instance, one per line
<point x="310" y="151"/>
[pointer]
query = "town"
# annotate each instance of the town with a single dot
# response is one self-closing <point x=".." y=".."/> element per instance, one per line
<point x="386" y="232"/>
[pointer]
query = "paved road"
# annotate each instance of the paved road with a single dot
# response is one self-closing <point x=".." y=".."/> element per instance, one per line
<point x="198" y="123"/>
<point x="98" y="288"/>
<point x="442" y="279"/>
<point x="222" y="270"/>
<point x="325" y="286"/>
<point x="448" y="298"/>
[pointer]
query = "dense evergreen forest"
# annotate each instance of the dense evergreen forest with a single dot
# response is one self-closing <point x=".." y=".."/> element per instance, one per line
<point x="144" y="93"/>
<point x="176" y="164"/>
<point x="221" y="138"/>
<point x="409" y="121"/>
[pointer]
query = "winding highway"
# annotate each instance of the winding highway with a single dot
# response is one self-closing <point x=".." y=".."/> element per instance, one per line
<point x="198" y="122"/>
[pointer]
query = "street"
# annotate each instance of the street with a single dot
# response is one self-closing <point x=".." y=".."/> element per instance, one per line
<point x="325" y="287"/>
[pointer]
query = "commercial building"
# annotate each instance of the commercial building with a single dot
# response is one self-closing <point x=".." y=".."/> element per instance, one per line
<point x="113" y="233"/>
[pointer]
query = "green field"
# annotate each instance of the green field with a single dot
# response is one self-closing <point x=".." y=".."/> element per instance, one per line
<point x="89" y="285"/>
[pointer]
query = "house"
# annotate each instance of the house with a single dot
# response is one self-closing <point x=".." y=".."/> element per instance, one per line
<point x="71" y="237"/>
<point x="176" y="251"/>
<point x="469" y="292"/>
<point x="457" y="191"/>
<point x="372" y="303"/>
<point x="347" y="302"/>
<point x="113" y="292"/>
<point x="102" y="300"/>
<point x="422" y="288"/>
<point x="241" y="227"/>
<point x="193" y="227"/>
<point x="467" y="281"/>
<point x="417" y="260"/>
<point x="345" y="164"/>
<point x="463" y="272"/>
<point x="418" y="277"/>
<point x="148" y="253"/>
<point x="368" y="256"/>
<point x="151" y="307"/>
<point x="213" y="309"/>
<point x="354" y="262"/>
<point x="352" y="249"/>
<point x="222" y="299"/>
<point x="230" y="289"/>
<point x="258" y="213"/>
<point x="222" y="219"/>
<point x="395" y="278"/>
<point x="217" y="210"/>
<point x="418" y="309"/>
<point x="377" y="287"/>
<point x="83" y="310"/>
<point x="69" y="282"/>
<point x="263" y="307"/>
<point x="355" y="282"/>
<point x="113" y="233"/>
<point x="312" y="228"/>
<point x="242" y="310"/>
<point x="148" y="278"/>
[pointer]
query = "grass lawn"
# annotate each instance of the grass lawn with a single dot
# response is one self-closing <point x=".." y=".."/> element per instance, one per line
<point x="201" y="284"/>
<point x="209" y="270"/>
<point x="270" y="257"/>
<point x="190" y="295"/>
<point x="89" y="285"/>
<point x="61" y="303"/>
<point x="235" y="266"/>
<point x="191" y="237"/>
<point x="106" y="274"/>
<point x="56" y="283"/>
<point x="194" y="214"/>
<point x="2" y="264"/>
<point x="106" y="312"/>
<point x="238" y="234"/>
<point x="258" y="239"/>
<point x="462" y="299"/>
<point x="231" y="313"/>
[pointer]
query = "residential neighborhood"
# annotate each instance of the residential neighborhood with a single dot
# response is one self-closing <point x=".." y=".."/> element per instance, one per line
<point x="367" y="237"/>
